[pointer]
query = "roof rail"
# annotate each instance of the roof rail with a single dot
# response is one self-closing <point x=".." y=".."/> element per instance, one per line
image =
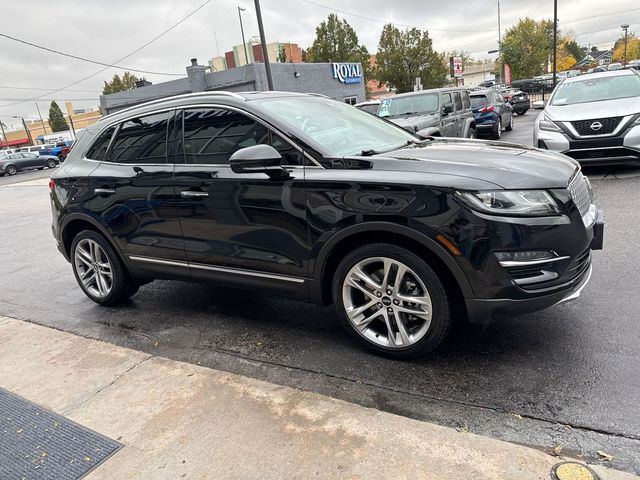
<point x="179" y="96"/>
<point x="317" y="95"/>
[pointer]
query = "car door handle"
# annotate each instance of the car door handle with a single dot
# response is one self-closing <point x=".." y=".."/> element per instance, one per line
<point x="104" y="191"/>
<point x="193" y="194"/>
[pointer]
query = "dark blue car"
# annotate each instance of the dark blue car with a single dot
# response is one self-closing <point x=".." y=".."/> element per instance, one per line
<point x="492" y="113"/>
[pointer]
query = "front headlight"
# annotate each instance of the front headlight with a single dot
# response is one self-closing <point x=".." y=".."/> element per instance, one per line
<point x="511" y="203"/>
<point x="637" y="121"/>
<point x="547" y="124"/>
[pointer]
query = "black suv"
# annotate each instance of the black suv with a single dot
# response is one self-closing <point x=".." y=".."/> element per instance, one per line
<point x="313" y="199"/>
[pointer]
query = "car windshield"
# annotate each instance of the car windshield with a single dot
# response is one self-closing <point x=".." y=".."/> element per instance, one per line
<point x="421" y="103"/>
<point x="597" y="90"/>
<point x="337" y="127"/>
<point x="479" y="101"/>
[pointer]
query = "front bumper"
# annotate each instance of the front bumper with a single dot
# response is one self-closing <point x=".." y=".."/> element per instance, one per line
<point x="484" y="311"/>
<point x="594" y="150"/>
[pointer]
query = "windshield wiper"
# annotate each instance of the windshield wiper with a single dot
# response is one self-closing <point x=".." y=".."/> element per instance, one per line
<point x="368" y="153"/>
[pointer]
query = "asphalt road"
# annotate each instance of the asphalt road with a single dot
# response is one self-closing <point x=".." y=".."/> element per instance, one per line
<point x="566" y="377"/>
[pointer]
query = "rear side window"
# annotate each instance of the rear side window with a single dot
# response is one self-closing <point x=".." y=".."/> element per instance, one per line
<point x="99" y="148"/>
<point x="142" y="140"/>
<point x="446" y="99"/>
<point x="466" y="103"/>
<point x="457" y="100"/>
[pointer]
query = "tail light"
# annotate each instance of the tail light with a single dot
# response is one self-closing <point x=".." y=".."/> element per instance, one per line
<point x="487" y="109"/>
<point x="52" y="184"/>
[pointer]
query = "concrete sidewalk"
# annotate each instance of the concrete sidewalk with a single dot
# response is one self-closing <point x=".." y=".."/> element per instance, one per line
<point x="179" y="420"/>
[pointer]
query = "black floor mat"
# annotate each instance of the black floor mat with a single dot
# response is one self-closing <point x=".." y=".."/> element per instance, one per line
<point x="37" y="444"/>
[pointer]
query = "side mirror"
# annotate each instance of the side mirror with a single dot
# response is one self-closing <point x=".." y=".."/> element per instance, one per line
<point x="447" y="108"/>
<point x="258" y="159"/>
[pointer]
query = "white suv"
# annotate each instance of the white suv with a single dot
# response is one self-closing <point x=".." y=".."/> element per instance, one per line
<point x="593" y="118"/>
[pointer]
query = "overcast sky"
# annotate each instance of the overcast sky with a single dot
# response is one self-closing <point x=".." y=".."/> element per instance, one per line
<point x="109" y="30"/>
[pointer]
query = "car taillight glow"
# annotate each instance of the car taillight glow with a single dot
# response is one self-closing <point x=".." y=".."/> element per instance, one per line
<point x="52" y="184"/>
<point x="487" y="109"/>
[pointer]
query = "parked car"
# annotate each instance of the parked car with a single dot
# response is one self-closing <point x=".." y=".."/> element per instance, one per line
<point x="519" y="100"/>
<point x="492" y="113"/>
<point x="370" y="106"/>
<point x="59" y="150"/>
<point x="307" y="197"/>
<point x="441" y="112"/>
<point x="16" y="162"/>
<point x="614" y="66"/>
<point x="33" y="149"/>
<point x="593" y="118"/>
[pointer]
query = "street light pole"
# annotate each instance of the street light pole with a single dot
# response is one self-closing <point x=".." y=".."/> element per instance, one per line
<point x="625" y="27"/>
<point x="555" y="40"/>
<point x="263" y="41"/>
<point x="500" y="57"/>
<point x="244" y="43"/>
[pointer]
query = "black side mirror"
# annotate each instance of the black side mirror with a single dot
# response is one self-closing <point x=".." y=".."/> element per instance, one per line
<point x="258" y="159"/>
<point x="447" y="109"/>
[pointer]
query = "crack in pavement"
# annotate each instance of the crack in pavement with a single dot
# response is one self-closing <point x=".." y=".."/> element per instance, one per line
<point x="101" y="389"/>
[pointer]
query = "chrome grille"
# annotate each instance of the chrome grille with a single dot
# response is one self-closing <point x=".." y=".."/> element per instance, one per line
<point x="580" y="193"/>
<point x="596" y="126"/>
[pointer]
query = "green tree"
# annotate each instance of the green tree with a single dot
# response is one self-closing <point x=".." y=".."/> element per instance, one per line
<point x="572" y="48"/>
<point x="57" y="123"/>
<point x="336" y="41"/>
<point x="526" y="47"/>
<point x="406" y="55"/>
<point x="633" y="48"/>
<point x="282" y="54"/>
<point x="117" y="84"/>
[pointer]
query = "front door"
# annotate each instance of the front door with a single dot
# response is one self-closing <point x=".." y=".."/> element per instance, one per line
<point x="134" y="195"/>
<point x="244" y="228"/>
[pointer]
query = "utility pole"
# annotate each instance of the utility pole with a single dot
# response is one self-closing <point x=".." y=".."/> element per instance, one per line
<point x="73" y="128"/>
<point x="500" y="56"/>
<point x="555" y="40"/>
<point x="244" y="43"/>
<point x="263" y="41"/>
<point x="24" y="124"/>
<point x="41" y="120"/>
<point x="4" y="135"/>
<point x="625" y="27"/>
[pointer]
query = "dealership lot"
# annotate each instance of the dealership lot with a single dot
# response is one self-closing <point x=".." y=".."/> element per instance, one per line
<point x="565" y="377"/>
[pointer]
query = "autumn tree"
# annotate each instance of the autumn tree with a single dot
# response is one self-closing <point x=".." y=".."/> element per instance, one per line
<point x="404" y="55"/>
<point x="633" y="49"/>
<point x="336" y="41"/>
<point x="57" y="121"/>
<point x="117" y="84"/>
<point x="526" y="47"/>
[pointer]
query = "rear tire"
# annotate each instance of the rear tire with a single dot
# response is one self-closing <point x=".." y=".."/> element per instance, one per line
<point x="510" y="126"/>
<point x="51" y="163"/>
<point x="99" y="271"/>
<point x="472" y="133"/>
<point x="497" y="131"/>
<point x="378" y="308"/>
<point x="11" y="170"/>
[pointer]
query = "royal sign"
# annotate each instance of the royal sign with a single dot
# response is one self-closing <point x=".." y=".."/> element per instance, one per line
<point x="347" y="72"/>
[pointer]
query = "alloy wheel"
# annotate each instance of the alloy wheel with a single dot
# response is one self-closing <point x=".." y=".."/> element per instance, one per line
<point x="387" y="302"/>
<point x="11" y="170"/>
<point x="93" y="268"/>
<point x="51" y="163"/>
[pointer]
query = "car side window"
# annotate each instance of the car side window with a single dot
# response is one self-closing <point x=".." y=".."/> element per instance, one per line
<point x="466" y="101"/>
<point x="457" y="100"/>
<point x="98" y="150"/>
<point x="142" y="140"/>
<point x="445" y="99"/>
<point x="212" y="135"/>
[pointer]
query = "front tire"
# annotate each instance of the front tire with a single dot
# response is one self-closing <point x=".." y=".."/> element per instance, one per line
<point x="510" y="126"/>
<point x="11" y="170"/>
<point x="51" y="163"/>
<point x="392" y="301"/>
<point x="98" y="269"/>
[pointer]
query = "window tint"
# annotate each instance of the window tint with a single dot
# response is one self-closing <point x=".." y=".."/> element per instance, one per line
<point x="466" y="103"/>
<point x="446" y="99"/>
<point x="99" y="147"/>
<point x="479" y="101"/>
<point x="211" y="136"/>
<point x="142" y="140"/>
<point x="457" y="100"/>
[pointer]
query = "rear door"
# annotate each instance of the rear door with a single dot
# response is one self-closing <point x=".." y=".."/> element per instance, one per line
<point x="134" y="194"/>
<point x="244" y="228"/>
<point x="459" y="114"/>
<point x="447" y="122"/>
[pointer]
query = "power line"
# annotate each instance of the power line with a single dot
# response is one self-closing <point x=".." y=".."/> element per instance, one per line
<point x="96" y="62"/>
<point x="117" y="61"/>
<point x="378" y="20"/>
<point x="11" y="87"/>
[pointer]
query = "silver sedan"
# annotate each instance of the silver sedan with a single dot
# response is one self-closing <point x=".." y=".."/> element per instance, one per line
<point x="16" y="162"/>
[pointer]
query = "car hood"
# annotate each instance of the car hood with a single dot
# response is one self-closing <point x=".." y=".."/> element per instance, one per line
<point x="505" y="165"/>
<point x="619" y="107"/>
<point x="416" y="122"/>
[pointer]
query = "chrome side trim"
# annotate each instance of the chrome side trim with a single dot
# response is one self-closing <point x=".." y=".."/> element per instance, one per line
<point x="516" y="263"/>
<point x="237" y="271"/>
